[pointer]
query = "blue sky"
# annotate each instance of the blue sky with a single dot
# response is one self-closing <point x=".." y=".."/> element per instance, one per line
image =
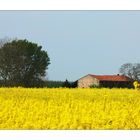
<point x="78" y="42"/>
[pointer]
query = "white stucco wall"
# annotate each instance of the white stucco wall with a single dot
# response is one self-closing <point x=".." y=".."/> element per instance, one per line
<point x="87" y="81"/>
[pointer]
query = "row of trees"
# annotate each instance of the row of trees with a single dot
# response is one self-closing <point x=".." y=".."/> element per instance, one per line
<point x="57" y="84"/>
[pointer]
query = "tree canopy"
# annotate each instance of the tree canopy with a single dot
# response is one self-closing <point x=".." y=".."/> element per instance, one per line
<point x="132" y="70"/>
<point x="23" y="63"/>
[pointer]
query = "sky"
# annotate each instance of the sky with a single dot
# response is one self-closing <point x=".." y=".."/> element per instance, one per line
<point x="78" y="42"/>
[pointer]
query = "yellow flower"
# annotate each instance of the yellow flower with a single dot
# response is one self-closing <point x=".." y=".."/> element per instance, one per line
<point x="62" y="108"/>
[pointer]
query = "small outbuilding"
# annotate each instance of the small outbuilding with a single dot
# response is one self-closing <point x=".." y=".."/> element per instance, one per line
<point x="110" y="81"/>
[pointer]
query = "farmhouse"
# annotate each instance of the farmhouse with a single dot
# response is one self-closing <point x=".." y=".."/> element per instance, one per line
<point x="104" y="81"/>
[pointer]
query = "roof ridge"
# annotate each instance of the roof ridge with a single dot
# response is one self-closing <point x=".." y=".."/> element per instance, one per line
<point x="111" y="77"/>
<point x="107" y="75"/>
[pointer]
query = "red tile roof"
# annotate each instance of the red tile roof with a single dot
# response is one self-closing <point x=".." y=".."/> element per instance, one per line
<point x="111" y="77"/>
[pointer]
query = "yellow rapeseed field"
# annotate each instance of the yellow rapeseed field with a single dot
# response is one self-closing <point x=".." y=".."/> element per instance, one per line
<point x="61" y="108"/>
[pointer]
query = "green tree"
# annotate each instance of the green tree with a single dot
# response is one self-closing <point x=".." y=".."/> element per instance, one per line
<point x="23" y="63"/>
<point x="66" y="84"/>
